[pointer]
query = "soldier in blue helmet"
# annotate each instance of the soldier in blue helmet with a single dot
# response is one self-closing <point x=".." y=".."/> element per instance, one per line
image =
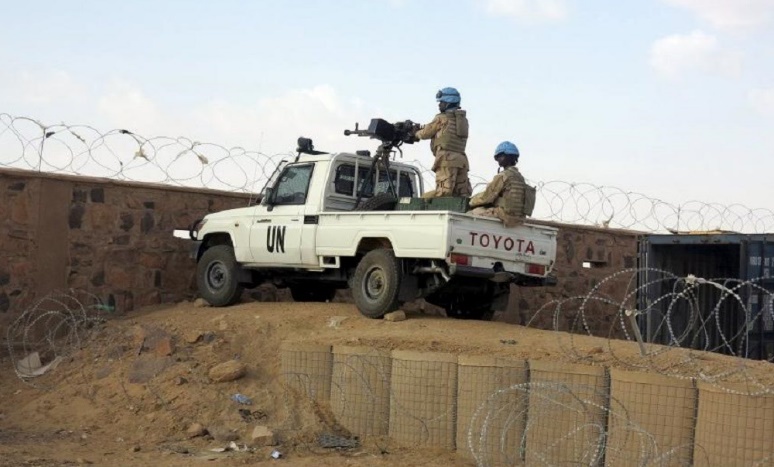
<point x="507" y="197"/>
<point x="448" y="134"/>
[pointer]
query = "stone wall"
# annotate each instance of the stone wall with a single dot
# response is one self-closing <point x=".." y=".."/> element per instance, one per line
<point x="114" y="239"/>
<point x="604" y="252"/>
<point x="110" y="238"/>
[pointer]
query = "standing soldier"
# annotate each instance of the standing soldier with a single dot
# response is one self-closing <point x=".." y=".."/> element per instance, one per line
<point x="507" y="197"/>
<point x="448" y="134"/>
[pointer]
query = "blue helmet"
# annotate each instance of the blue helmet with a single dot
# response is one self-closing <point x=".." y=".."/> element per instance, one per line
<point x="507" y="148"/>
<point x="448" y="95"/>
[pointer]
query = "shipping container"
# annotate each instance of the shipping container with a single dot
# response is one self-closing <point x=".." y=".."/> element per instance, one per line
<point x="722" y="317"/>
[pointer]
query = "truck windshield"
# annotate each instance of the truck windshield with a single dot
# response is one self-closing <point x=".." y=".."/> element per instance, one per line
<point x="293" y="185"/>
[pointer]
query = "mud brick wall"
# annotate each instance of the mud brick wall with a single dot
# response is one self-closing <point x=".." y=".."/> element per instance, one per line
<point x="17" y="244"/>
<point x="103" y="236"/>
<point x="114" y="238"/>
<point x="606" y="251"/>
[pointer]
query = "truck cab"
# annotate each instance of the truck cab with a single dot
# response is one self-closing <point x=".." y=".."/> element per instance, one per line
<point x="280" y="230"/>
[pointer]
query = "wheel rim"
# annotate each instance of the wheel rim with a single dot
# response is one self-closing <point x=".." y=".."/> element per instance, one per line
<point x="217" y="275"/>
<point x="375" y="283"/>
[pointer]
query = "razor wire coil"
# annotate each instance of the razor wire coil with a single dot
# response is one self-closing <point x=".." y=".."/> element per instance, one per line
<point x="27" y="143"/>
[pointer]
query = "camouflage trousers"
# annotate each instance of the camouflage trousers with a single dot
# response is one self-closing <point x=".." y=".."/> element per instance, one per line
<point x="497" y="213"/>
<point x="451" y="175"/>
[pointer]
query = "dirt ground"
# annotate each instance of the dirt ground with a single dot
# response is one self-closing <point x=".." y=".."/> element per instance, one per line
<point x="130" y="395"/>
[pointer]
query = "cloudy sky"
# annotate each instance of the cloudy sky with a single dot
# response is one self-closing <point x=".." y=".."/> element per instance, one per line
<point x="672" y="98"/>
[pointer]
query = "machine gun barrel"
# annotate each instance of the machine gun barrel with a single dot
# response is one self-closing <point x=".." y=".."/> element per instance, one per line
<point x="393" y="134"/>
<point x="356" y="132"/>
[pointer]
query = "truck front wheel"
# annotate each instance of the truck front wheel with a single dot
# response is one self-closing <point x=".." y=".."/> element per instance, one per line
<point x="376" y="283"/>
<point x="216" y="276"/>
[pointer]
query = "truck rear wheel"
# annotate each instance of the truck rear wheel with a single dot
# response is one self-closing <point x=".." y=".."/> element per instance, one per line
<point x="216" y="276"/>
<point x="376" y="283"/>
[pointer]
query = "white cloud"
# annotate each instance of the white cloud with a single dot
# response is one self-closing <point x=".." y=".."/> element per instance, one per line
<point x="531" y="10"/>
<point x="272" y="123"/>
<point x="275" y="123"/>
<point x="730" y="14"/>
<point x="762" y="100"/>
<point x="126" y="106"/>
<point x="678" y="54"/>
<point x="41" y="87"/>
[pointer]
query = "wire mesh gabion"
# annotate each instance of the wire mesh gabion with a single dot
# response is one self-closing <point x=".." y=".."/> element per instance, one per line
<point x="423" y="398"/>
<point x="360" y="389"/>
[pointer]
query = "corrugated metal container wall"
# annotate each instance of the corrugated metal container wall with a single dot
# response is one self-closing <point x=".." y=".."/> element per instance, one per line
<point x="707" y="317"/>
<point x="760" y="301"/>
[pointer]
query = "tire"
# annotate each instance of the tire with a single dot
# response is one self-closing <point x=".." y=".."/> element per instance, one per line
<point x="311" y="293"/>
<point x="379" y="202"/>
<point x="216" y="276"/>
<point x="376" y="283"/>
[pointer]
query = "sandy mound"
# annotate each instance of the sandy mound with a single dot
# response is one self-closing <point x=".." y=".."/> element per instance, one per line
<point x="133" y="392"/>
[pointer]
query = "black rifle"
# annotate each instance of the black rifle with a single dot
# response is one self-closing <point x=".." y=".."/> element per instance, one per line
<point x="392" y="136"/>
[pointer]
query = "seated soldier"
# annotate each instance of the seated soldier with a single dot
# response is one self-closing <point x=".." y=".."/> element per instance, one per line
<point x="506" y="196"/>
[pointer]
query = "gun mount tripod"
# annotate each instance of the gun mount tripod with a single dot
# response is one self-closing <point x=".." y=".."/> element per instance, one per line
<point x="392" y="136"/>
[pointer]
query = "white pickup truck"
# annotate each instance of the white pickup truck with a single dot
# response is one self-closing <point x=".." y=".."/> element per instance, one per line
<point x="307" y="234"/>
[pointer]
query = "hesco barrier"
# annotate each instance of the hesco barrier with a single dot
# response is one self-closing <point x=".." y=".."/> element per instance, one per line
<point x="734" y="428"/>
<point x="306" y="368"/>
<point x="567" y="425"/>
<point x="500" y="412"/>
<point x="643" y="404"/>
<point x="424" y="398"/>
<point x="491" y="414"/>
<point x="360" y="389"/>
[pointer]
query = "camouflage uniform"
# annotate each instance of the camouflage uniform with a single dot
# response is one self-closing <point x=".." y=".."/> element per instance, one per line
<point x="503" y="198"/>
<point x="449" y="133"/>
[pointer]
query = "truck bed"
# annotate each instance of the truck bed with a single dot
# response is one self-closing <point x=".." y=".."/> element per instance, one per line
<point x="437" y="234"/>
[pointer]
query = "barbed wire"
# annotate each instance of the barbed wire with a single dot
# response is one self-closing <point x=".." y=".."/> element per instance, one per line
<point x="606" y="206"/>
<point x="54" y="327"/>
<point x="27" y="143"/>
<point x="121" y="154"/>
<point x="560" y="415"/>
<point x="553" y="415"/>
<point x="673" y="325"/>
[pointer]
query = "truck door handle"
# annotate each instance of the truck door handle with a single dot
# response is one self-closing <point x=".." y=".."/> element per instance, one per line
<point x="262" y="221"/>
